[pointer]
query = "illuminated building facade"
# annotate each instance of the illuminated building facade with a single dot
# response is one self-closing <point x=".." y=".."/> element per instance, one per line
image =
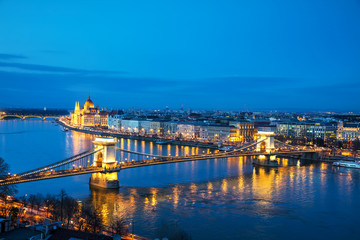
<point x="325" y="131"/>
<point x="236" y="131"/>
<point x="242" y="131"/>
<point x="348" y="131"/>
<point x="89" y="115"/>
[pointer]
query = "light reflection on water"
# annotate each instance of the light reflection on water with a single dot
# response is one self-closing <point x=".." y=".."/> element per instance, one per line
<point x="210" y="199"/>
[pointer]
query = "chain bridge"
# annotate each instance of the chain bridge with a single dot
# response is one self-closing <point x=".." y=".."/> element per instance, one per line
<point x="101" y="162"/>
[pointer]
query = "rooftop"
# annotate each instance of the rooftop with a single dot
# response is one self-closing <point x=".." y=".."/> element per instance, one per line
<point x="19" y="234"/>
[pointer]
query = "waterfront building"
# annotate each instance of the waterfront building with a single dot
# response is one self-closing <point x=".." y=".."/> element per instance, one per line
<point x="213" y="132"/>
<point x="89" y="115"/>
<point x="134" y="125"/>
<point x="157" y="127"/>
<point x="307" y="130"/>
<point x="129" y="125"/>
<point x="218" y="132"/>
<point x="114" y="122"/>
<point x="144" y="126"/>
<point x="265" y="126"/>
<point x="291" y="130"/>
<point x="170" y="128"/>
<point x="187" y="130"/>
<point x="203" y="133"/>
<point x="348" y="131"/>
<point x="243" y="131"/>
<point x="325" y="131"/>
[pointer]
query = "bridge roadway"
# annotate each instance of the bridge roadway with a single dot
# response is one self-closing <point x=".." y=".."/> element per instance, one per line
<point x="167" y="160"/>
<point x="60" y="163"/>
<point x="50" y="174"/>
<point x="23" y="117"/>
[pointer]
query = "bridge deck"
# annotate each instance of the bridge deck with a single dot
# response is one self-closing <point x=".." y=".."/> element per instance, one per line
<point x="49" y="175"/>
<point x="36" y="176"/>
<point x="24" y="116"/>
<point x="199" y="157"/>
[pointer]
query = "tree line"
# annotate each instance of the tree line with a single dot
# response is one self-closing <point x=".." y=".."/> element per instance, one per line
<point x="33" y="208"/>
<point x="82" y="216"/>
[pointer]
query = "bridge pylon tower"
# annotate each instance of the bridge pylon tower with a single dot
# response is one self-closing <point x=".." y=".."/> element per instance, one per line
<point x="105" y="158"/>
<point x="266" y="140"/>
<point x="266" y="145"/>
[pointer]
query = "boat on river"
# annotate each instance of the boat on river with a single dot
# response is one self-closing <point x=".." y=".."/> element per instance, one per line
<point x="161" y="142"/>
<point x="347" y="164"/>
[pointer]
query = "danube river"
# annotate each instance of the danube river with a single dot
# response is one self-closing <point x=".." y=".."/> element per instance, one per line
<point x="208" y="199"/>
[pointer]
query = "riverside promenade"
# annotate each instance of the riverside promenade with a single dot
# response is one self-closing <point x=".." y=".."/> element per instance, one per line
<point x="109" y="133"/>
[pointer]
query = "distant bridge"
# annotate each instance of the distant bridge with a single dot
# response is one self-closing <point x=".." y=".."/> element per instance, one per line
<point x="101" y="163"/>
<point x="24" y="116"/>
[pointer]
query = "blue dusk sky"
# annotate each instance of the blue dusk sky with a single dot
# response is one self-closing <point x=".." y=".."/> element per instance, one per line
<point x="301" y="55"/>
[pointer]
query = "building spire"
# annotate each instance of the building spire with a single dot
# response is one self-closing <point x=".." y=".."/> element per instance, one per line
<point x="89" y="97"/>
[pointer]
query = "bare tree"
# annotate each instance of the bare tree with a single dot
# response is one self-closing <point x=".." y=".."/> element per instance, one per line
<point x="24" y="203"/>
<point x="4" y="168"/>
<point x="54" y="207"/>
<point x="32" y="201"/>
<point x="39" y="199"/>
<point x="119" y="226"/>
<point x="92" y="217"/>
<point x="70" y="208"/>
<point x="6" y="190"/>
<point x="62" y="196"/>
<point x="14" y="212"/>
<point x="47" y="204"/>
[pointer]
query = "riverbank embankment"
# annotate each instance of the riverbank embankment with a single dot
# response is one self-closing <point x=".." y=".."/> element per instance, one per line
<point x="139" y="137"/>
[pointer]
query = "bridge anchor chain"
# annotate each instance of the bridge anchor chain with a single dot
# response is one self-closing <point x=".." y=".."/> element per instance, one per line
<point x="105" y="159"/>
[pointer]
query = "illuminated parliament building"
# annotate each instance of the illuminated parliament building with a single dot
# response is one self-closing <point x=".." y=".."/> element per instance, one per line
<point x="89" y="115"/>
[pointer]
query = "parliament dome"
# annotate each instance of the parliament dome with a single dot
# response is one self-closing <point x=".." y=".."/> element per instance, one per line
<point x="88" y="104"/>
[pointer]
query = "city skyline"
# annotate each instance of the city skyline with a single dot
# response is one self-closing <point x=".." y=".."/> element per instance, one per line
<point x="286" y="56"/>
